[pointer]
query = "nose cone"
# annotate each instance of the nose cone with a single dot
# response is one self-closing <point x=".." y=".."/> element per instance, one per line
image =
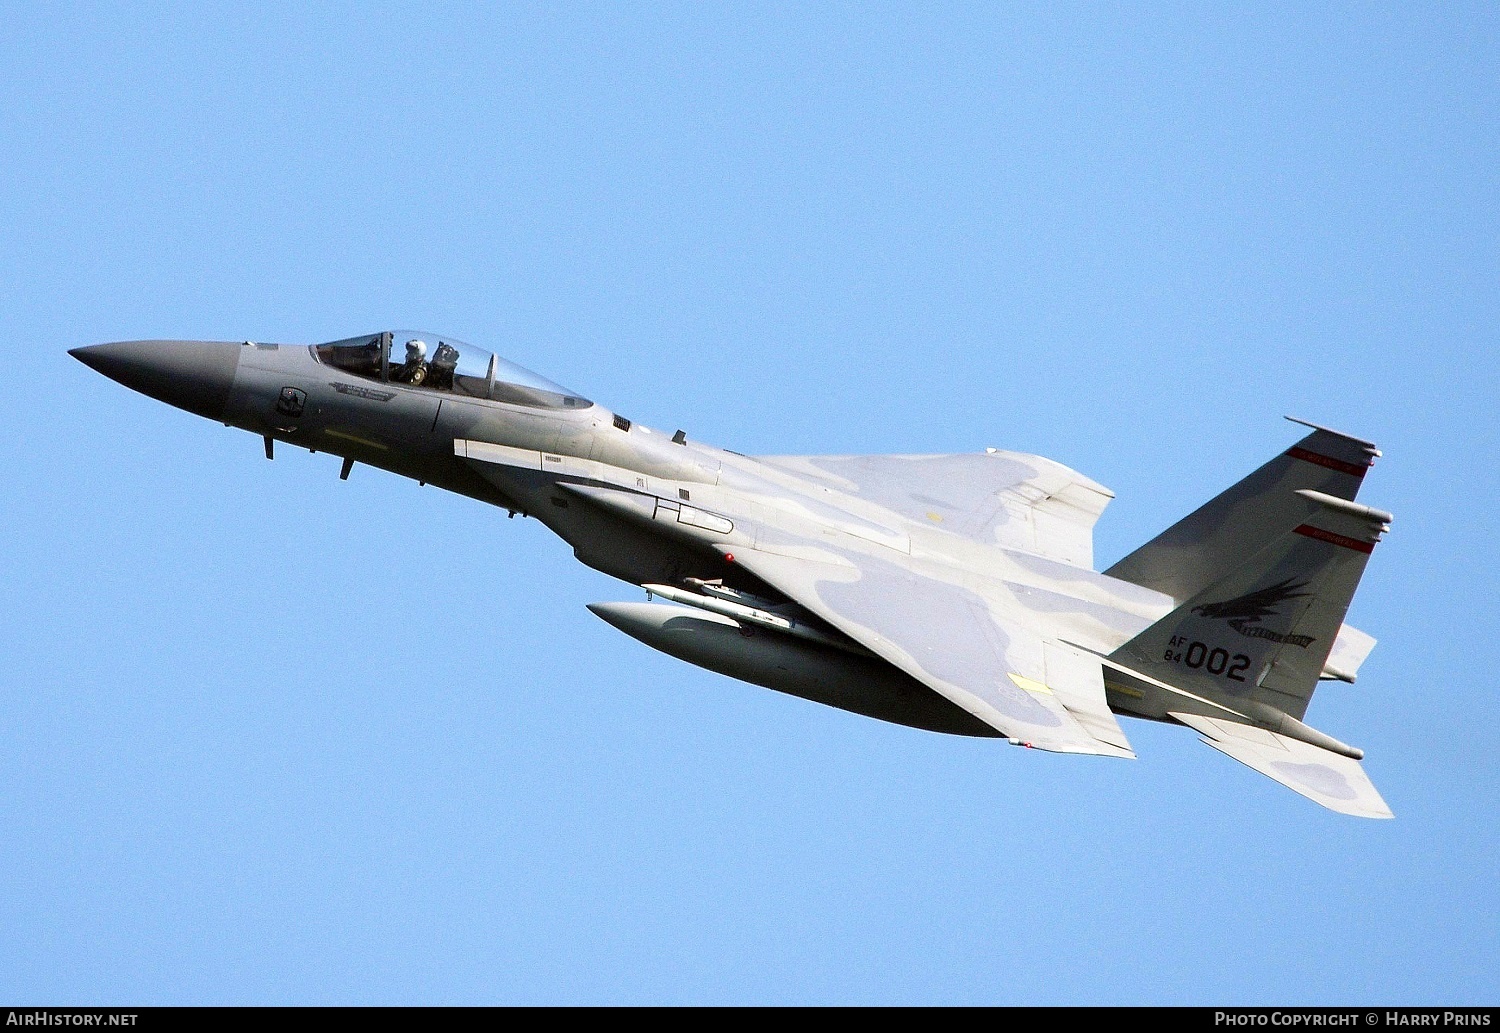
<point x="192" y="375"/>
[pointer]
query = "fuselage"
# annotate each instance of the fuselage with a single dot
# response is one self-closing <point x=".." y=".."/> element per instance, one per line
<point x="953" y="593"/>
<point x="644" y="506"/>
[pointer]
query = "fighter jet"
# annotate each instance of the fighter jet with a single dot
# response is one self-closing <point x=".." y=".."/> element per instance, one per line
<point x="954" y="593"/>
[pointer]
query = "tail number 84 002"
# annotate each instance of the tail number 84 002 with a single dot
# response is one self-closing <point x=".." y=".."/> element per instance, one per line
<point x="1214" y="660"/>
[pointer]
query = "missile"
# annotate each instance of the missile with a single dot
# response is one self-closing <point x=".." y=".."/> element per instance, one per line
<point x="751" y="614"/>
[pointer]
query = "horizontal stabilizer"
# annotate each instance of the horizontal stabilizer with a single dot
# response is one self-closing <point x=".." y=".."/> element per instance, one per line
<point x="1337" y="782"/>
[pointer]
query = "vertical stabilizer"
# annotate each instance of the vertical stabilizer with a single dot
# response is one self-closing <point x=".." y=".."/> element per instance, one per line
<point x="1209" y="543"/>
<point x="1264" y="631"/>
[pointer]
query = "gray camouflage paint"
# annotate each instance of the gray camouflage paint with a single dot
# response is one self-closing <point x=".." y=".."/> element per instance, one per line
<point x="954" y="569"/>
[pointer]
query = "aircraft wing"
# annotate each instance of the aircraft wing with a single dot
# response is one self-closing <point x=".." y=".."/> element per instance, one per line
<point x="1037" y="692"/>
<point x="1000" y="498"/>
<point x="1337" y="782"/>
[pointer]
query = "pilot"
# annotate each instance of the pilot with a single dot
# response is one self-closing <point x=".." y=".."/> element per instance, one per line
<point x="414" y="370"/>
<point x="444" y="361"/>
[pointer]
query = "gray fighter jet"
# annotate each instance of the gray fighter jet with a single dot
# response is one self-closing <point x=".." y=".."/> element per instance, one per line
<point x="955" y="593"/>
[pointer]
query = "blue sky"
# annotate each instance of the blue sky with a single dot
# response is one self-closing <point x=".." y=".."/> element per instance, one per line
<point x="273" y="738"/>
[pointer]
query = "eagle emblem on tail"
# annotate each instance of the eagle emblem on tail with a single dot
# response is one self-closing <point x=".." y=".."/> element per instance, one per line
<point x="1252" y="606"/>
<point x="1244" y="613"/>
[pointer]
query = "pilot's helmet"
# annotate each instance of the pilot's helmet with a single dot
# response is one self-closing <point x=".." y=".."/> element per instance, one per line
<point x="416" y="350"/>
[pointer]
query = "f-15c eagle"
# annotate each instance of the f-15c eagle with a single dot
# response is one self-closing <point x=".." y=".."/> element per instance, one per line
<point x="955" y="593"/>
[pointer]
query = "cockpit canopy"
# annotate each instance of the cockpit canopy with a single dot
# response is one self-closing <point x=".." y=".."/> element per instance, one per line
<point x="434" y="362"/>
